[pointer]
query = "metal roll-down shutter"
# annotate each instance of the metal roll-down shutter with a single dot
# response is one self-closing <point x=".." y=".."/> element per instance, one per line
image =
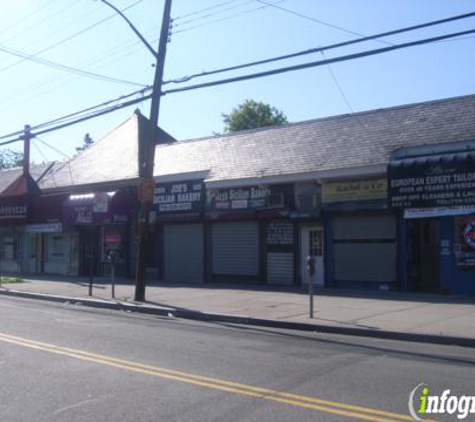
<point x="236" y="248"/>
<point x="183" y="253"/>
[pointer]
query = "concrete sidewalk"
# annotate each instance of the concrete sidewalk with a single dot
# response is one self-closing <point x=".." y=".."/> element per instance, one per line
<point x="419" y="317"/>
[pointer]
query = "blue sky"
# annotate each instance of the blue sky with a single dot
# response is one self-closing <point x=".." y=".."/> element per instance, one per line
<point x="230" y="32"/>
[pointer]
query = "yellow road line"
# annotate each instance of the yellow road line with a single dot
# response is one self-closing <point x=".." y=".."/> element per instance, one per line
<point x="343" y="409"/>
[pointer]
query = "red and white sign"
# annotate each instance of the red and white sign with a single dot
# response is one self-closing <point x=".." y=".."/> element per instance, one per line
<point x="113" y="239"/>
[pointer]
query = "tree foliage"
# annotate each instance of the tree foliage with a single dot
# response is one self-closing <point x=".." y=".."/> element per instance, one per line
<point x="252" y="115"/>
<point x="87" y="142"/>
<point x="9" y="159"/>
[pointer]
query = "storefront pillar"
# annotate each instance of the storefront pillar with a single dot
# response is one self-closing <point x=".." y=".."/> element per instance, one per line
<point x="328" y="251"/>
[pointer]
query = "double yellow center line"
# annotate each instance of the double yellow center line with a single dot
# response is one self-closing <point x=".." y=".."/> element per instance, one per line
<point x="327" y="406"/>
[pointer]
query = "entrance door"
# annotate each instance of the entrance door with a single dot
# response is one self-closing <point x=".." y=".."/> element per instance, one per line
<point x="312" y="245"/>
<point x="423" y="255"/>
<point x="34" y="252"/>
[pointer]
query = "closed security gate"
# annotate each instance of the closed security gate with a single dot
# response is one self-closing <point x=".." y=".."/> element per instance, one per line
<point x="183" y="253"/>
<point x="236" y="250"/>
<point x="365" y="250"/>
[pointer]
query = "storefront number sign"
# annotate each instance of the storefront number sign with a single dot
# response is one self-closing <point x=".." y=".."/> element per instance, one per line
<point x="427" y="185"/>
<point x="469" y="234"/>
<point x="176" y="197"/>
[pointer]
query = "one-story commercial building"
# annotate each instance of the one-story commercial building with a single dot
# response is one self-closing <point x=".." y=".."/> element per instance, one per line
<point x="383" y="199"/>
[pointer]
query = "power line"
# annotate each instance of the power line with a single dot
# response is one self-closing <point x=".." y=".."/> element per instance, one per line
<point x="247" y="77"/>
<point x="224" y="19"/>
<point x="40" y="88"/>
<point x="324" y="48"/>
<point x="89" y="110"/>
<point x="92" y="109"/>
<point x="39" y="150"/>
<point x="70" y="37"/>
<point x="320" y="22"/>
<point x="29" y="28"/>
<point x="320" y="63"/>
<point x="52" y="147"/>
<point x="80" y="119"/>
<point x="64" y="68"/>
<point x="209" y="15"/>
<point x="204" y="10"/>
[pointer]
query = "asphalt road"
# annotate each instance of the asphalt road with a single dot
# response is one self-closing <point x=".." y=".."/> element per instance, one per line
<point x="71" y="363"/>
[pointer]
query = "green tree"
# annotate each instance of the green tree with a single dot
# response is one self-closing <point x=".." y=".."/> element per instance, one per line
<point x="87" y="142"/>
<point x="9" y="159"/>
<point x="252" y="115"/>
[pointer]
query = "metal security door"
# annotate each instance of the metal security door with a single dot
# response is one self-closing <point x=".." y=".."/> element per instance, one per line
<point x="312" y="245"/>
<point x="236" y="249"/>
<point x="183" y="253"/>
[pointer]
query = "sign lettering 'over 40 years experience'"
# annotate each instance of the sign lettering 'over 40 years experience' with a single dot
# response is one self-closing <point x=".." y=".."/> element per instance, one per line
<point x="426" y="185"/>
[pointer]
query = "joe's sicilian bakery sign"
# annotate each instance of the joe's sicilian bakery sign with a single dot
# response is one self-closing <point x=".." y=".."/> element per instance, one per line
<point x="425" y="185"/>
<point x="179" y="197"/>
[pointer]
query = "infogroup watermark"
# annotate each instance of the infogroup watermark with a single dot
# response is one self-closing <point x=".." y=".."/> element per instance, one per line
<point x="422" y="404"/>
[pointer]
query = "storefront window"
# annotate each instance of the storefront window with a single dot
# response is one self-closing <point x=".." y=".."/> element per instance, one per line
<point x="464" y="242"/>
<point x="114" y="240"/>
<point x="8" y="244"/>
<point x="57" y="246"/>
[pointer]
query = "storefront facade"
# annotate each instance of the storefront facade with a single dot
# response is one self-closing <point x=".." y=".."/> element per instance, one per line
<point x="362" y="235"/>
<point x="14" y="214"/>
<point x="233" y="235"/>
<point x="435" y="193"/>
<point x="180" y="231"/>
<point x="94" y="225"/>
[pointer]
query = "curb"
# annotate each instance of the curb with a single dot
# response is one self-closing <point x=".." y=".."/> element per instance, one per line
<point x="247" y="320"/>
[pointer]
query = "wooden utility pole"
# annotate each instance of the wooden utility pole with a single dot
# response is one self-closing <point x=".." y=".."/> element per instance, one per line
<point x="26" y="150"/>
<point x="146" y="160"/>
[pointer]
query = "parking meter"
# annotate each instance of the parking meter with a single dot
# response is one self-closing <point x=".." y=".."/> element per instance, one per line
<point x="311" y="264"/>
<point x="113" y="257"/>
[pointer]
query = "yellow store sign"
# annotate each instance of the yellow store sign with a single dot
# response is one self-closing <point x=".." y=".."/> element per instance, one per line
<point x="357" y="190"/>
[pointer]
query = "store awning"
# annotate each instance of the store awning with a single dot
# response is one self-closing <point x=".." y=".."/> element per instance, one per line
<point x="432" y="181"/>
<point x="98" y="208"/>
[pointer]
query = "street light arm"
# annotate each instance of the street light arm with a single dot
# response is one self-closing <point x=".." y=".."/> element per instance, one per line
<point x="144" y="41"/>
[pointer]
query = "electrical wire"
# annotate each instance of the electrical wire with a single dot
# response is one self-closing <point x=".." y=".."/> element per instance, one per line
<point x="93" y="108"/>
<point x="49" y="84"/>
<point x="52" y="147"/>
<point x="209" y="15"/>
<point x="318" y="21"/>
<point x="64" y="68"/>
<point x="248" y="77"/>
<point x="69" y="38"/>
<point x="322" y="62"/>
<point x="204" y="10"/>
<point x="223" y="19"/>
<point x="86" y="111"/>
<point x="36" y="24"/>
<point x="37" y="147"/>
<point x="325" y="48"/>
